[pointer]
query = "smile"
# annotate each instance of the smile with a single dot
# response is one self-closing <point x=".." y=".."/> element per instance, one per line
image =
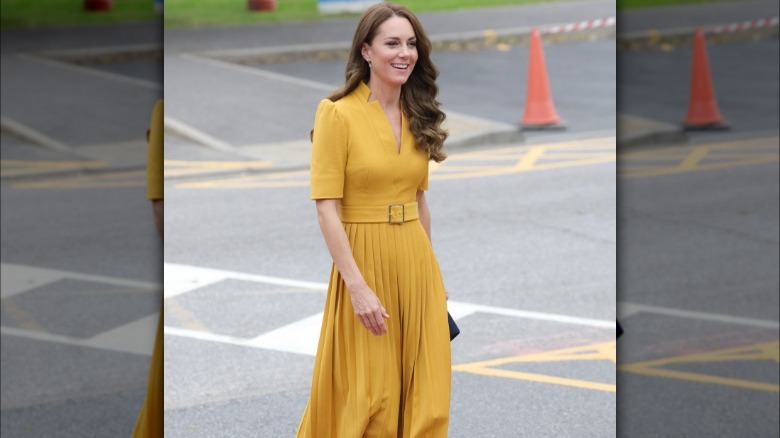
<point x="400" y="66"/>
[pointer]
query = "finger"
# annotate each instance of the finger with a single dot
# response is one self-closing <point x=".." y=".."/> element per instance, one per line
<point x="373" y="326"/>
<point x="366" y="323"/>
<point x="384" y="313"/>
<point x="379" y="322"/>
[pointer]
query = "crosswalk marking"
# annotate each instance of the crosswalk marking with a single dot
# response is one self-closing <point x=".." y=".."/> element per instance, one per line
<point x="136" y="337"/>
<point x="301" y="336"/>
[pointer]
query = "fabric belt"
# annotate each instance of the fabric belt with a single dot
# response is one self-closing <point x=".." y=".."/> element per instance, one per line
<point x="392" y="213"/>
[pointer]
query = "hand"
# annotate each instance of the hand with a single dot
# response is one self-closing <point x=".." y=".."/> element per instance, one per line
<point x="369" y="310"/>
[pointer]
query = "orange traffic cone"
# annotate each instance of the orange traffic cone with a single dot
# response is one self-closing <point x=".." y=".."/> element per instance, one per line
<point x="539" y="107"/>
<point x="703" y="111"/>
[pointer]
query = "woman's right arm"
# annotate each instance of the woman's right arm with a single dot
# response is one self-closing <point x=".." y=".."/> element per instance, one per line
<point x="366" y="304"/>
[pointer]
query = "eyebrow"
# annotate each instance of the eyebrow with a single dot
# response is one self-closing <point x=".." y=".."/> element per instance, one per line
<point x="397" y="38"/>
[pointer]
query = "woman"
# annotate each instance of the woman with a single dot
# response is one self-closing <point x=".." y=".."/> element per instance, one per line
<point x="383" y="361"/>
<point x="150" y="419"/>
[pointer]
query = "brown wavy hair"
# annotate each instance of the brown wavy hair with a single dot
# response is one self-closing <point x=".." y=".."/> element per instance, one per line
<point x="418" y="94"/>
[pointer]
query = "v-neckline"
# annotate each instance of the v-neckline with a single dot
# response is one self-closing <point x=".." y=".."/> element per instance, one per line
<point x="397" y="143"/>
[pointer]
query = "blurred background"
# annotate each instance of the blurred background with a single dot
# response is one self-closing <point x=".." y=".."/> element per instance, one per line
<point x="81" y="259"/>
<point x="698" y="219"/>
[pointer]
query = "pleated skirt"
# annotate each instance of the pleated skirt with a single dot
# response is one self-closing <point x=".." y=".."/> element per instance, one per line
<point x="397" y="384"/>
<point x="150" y="420"/>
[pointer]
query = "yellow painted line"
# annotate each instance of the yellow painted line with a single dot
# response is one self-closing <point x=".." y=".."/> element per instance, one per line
<point x="626" y="173"/>
<point x="518" y="159"/>
<point x="759" y="352"/>
<point x="693" y="158"/>
<point x="538" y="167"/>
<point x="598" y="353"/>
<point x="540" y="378"/>
<point x="530" y="157"/>
<point x="25" y="320"/>
<point x="184" y="316"/>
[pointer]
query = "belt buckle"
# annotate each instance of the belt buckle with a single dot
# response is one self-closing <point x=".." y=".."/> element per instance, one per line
<point x="392" y="214"/>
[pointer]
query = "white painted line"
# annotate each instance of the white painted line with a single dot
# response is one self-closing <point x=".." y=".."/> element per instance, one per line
<point x="262" y="73"/>
<point x="196" y="135"/>
<point x="302" y="336"/>
<point x="543" y="316"/>
<point x="205" y="336"/>
<point x="94" y="72"/>
<point x="180" y="279"/>
<point x="19" y="278"/>
<point x="112" y="340"/>
<point x="36" y="137"/>
<point x="299" y="337"/>
<point x="136" y="337"/>
<point x="628" y="309"/>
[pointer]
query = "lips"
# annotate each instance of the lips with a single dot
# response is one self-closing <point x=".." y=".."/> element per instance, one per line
<point x="402" y="67"/>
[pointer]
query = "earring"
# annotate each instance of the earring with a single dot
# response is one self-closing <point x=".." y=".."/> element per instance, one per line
<point x="369" y="63"/>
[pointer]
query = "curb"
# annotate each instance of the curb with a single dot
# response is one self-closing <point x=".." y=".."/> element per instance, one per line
<point x="725" y="33"/>
<point x="647" y="132"/>
<point x="479" y="40"/>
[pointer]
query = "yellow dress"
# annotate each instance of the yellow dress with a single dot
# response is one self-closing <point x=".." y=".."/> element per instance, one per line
<point x="150" y="419"/>
<point x="397" y="384"/>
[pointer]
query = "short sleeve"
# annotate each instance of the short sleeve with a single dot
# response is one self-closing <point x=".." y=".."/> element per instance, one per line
<point x="328" y="152"/>
<point x="424" y="183"/>
<point x="154" y="159"/>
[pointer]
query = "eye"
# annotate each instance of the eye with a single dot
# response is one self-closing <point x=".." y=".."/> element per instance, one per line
<point x="412" y="43"/>
<point x="392" y="43"/>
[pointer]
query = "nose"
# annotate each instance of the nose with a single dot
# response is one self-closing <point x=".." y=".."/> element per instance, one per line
<point x="404" y="52"/>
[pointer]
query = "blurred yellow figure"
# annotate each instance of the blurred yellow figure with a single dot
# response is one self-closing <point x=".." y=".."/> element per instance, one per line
<point x="150" y="419"/>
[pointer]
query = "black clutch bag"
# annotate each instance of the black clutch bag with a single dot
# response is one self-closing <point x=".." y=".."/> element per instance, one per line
<point x="454" y="330"/>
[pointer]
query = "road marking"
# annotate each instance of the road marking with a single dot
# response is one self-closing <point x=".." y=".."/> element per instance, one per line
<point x="36" y="137"/>
<point x="502" y="161"/>
<point x="23" y="318"/>
<point x="626" y="309"/>
<point x="603" y="352"/>
<point x="184" y="316"/>
<point x="302" y="336"/>
<point x="15" y="279"/>
<point x="262" y="73"/>
<point x="94" y="72"/>
<point x="121" y="178"/>
<point x="136" y="337"/>
<point x="190" y="132"/>
<point x="758" y="352"/>
<point x="181" y="279"/>
<point x="683" y="159"/>
<point x="180" y="167"/>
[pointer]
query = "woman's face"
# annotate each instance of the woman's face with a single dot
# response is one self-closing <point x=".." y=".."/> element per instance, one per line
<point x="393" y="52"/>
